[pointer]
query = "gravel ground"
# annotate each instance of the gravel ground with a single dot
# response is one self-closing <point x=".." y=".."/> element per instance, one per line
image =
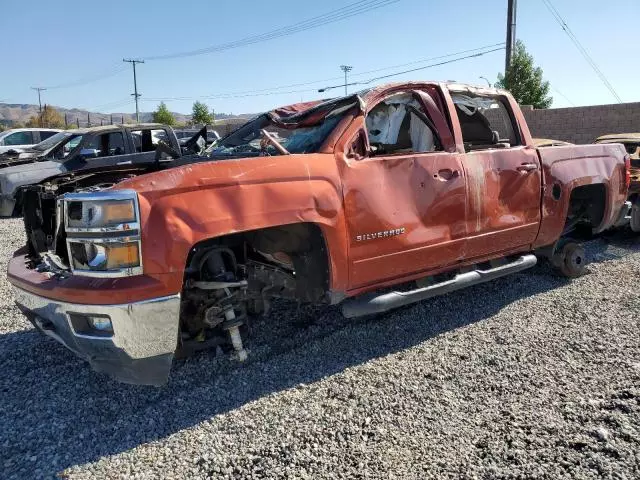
<point x="530" y="376"/>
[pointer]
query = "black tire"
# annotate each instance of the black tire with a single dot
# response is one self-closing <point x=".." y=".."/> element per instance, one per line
<point x="571" y="260"/>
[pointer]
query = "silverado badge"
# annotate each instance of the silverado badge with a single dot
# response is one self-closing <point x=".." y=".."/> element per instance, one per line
<point x="382" y="234"/>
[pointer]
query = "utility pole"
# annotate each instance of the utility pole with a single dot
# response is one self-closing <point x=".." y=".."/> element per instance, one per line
<point x="39" y="89"/>
<point x="135" y="84"/>
<point x="511" y="32"/>
<point x="345" y="69"/>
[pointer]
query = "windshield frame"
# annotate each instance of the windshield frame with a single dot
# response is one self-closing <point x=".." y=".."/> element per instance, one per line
<point x="332" y="111"/>
<point x="60" y="145"/>
<point x="51" y="142"/>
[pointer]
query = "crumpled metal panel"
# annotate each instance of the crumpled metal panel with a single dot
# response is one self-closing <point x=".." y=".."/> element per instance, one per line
<point x="568" y="167"/>
<point x="183" y="206"/>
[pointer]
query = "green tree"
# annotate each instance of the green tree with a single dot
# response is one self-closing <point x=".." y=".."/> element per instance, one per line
<point x="163" y="115"/>
<point x="524" y="80"/>
<point x="200" y="114"/>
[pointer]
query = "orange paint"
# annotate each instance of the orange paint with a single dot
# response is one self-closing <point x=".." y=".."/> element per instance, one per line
<point x="454" y="208"/>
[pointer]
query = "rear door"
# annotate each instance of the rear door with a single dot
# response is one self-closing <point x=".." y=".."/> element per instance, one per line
<point x="145" y="142"/>
<point x="503" y="176"/>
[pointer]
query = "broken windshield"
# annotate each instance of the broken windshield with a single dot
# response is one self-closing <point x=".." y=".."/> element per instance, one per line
<point x="295" y="137"/>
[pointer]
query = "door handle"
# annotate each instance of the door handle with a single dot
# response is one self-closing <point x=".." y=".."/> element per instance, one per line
<point x="447" y="174"/>
<point x="527" y="167"/>
<point x="126" y="162"/>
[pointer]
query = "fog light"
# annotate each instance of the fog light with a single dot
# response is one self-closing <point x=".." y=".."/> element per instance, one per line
<point x="102" y="324"/>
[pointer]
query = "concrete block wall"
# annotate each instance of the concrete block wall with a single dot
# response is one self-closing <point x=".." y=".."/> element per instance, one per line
<point x="583" y="124"/>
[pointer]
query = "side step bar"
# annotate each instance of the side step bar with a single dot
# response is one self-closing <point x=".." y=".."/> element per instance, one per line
<point x="371" y="304"/>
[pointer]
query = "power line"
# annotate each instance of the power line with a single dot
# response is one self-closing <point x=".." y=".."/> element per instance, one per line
<point x="324" y="80"/>
<point x="563" y="96"/>
<point x="357" y="8"/>
<point x="115" y="103"/>
<point x="273" y="90"/>
<point x="94" y="78"/>
<point x="382" y="77"/>
<point x="500" y="44"/>
<point x="581" y="49"/>
<point x="348" y="11"/>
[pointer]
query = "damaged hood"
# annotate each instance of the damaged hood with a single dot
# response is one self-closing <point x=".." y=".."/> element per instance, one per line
<point x="18" y="159"/>
<point x="11" y="178"/>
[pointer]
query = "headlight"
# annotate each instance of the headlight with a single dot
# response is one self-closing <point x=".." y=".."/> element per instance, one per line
<point x="103" y="233"/>
<point x="101" y="256"/>
<point x="100" y="214"/>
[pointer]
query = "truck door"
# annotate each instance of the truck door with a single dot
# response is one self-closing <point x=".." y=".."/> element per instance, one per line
<point x="503" y="176"/>
<point x="98" y="151"/>
<point x="405" y="194"/>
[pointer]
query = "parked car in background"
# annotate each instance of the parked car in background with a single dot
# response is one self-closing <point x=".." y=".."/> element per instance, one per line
<point x="82" y="150"/>
<point x="323" y="202"/>
<point x="631" y="142"/>
<point x="18" y="139"/>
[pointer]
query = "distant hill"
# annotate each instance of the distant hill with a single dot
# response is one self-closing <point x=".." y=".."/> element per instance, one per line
<point x="12" y="113"/>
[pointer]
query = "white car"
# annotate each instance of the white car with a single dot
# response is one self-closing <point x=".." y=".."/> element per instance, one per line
<point x="18" y="139"/>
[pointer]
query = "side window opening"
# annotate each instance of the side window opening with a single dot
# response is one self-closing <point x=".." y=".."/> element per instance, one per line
<point x="19" y="138"/>
<point x="142" y="140"/>
<point x="485" y="121"/>
<point x="44" y="134"/>
<point x="107" y="144"/>
<point x="116" y="144"/>
<point x="147" y="140"/>
<point x="400" y="125"/>
<point x="358" y="147"/>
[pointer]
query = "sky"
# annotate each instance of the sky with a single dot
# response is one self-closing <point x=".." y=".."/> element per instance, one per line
<point x="64" y="44"/>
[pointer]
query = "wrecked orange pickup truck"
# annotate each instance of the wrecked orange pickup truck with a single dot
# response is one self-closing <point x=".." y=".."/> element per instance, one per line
<point x="323" y="202"/>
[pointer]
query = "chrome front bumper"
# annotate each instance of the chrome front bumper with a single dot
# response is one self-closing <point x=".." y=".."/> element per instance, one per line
<point x="139" y="351"/>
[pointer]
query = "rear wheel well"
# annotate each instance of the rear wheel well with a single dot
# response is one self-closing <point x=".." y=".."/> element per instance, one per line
<point x="587" y="205"/>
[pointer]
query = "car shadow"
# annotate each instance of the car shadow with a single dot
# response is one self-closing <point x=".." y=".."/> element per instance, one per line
<point x="57" y="413"/>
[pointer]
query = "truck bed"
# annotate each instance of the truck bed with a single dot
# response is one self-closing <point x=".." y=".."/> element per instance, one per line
<point x="565" y="168"/>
